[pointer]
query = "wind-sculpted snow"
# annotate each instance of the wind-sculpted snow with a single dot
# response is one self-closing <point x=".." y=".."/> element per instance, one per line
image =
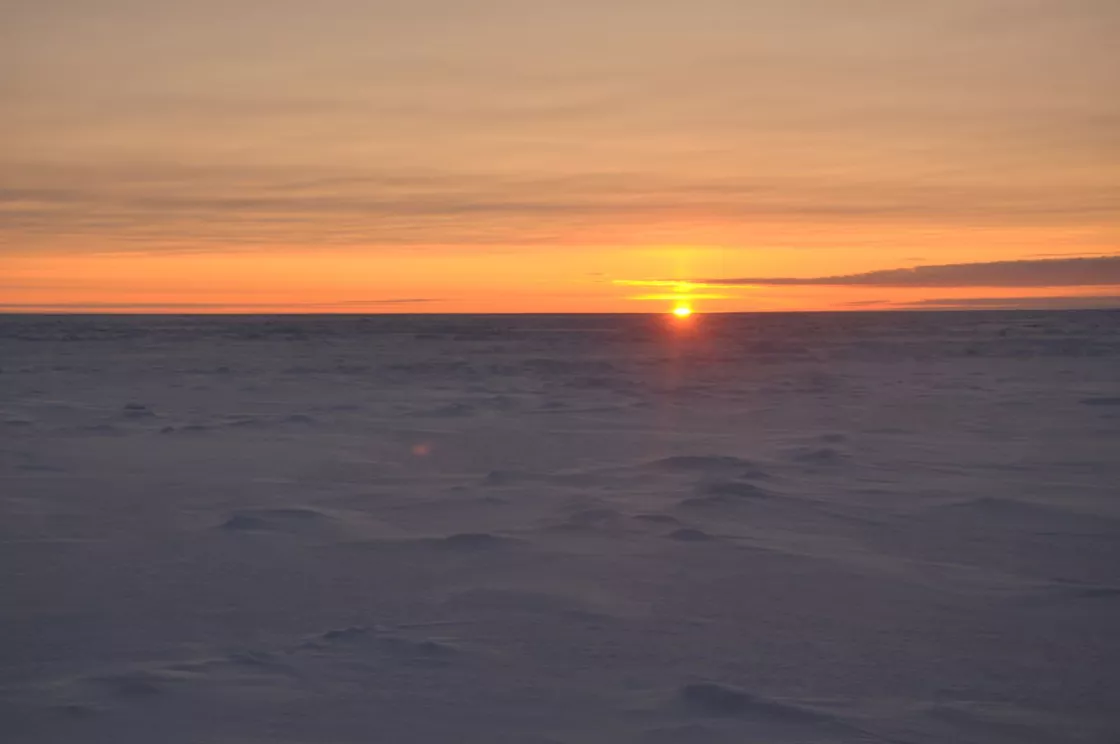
<point x="882" y="527"/>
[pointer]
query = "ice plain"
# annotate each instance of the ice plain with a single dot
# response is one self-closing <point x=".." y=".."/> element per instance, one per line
<point x="852" y="527"/>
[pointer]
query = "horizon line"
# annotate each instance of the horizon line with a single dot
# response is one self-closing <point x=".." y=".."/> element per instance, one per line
<point x="860" y="310"/>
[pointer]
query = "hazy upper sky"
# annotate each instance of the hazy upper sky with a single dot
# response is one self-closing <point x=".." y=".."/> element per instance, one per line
<point x="535" y="156"/>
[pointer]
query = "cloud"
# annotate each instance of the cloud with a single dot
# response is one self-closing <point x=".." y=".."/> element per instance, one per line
<point x="680" y="297"/>
<point x="1058" y="272"/>
<point x="235" y="307"/>
<point x="373" y="303"/>
<point x="1093" y="254"/>
<point x="1017" y="303"/>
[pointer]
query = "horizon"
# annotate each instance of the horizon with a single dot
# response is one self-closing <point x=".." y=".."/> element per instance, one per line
<point x="664" y="314"/>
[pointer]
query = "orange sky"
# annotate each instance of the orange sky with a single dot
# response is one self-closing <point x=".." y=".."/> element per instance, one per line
<point x="354" y="281"/>
<point x="346" y="156"/>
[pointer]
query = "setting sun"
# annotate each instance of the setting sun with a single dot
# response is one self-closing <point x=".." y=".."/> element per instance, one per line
<point x="682" y="311"/>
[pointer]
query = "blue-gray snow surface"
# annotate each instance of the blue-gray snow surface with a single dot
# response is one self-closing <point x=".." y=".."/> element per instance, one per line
<point x="880" y="527"/>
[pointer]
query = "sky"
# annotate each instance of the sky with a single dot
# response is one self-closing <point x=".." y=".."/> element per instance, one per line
<point x="578" y="156"/>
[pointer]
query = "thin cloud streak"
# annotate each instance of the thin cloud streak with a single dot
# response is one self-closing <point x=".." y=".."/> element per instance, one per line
<point x="208" y="206"/>
<point x="681" y="297"/>
<point x="1072" y="272"/>
<point x="1009" y="303"/>
<point x="202" y="306"/>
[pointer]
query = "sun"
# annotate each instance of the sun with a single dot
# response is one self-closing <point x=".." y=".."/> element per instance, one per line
<point x="682" y="311"/>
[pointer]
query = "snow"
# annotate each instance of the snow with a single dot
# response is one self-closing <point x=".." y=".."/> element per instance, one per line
<point x="881" y="527"/>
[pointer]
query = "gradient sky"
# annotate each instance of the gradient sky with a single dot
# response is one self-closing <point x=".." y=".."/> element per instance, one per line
<point x="527" y="156"/>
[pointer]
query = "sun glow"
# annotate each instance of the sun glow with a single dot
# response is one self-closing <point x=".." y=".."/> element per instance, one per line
<point x="682" y="311"/>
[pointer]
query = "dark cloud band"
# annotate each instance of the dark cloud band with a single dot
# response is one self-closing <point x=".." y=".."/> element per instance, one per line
<point x="1058" y="272"/>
